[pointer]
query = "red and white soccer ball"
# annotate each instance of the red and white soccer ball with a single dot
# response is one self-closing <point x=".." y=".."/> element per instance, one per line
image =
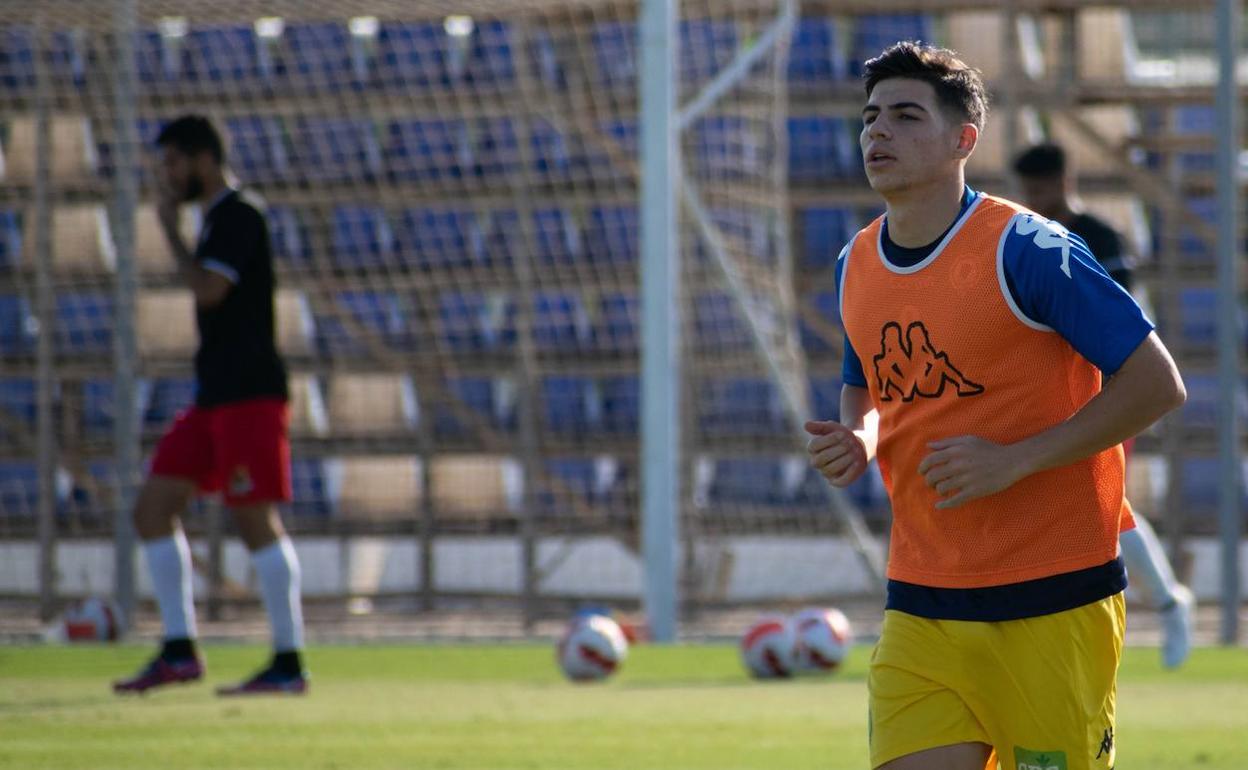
<point x="768" y="648"/>
<point x="823" y="639"/>
<point x="90" y="620"/>
<point x="592" y="648"/>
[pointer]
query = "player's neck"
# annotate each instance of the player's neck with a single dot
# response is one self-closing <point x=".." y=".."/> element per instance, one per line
<point x="213" y="187"/>
<point x="917" y="216"/>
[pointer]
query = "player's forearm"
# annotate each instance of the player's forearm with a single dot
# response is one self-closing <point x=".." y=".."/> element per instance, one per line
<point x="859" y="415"/>
<point x="1146" y="388"/>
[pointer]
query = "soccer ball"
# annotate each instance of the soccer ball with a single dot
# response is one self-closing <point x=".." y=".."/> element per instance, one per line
<point x="768" y="648"/>
<point x="90" y="620"/>
<point x="823" y="637"/>
<point x="592" y="648"/>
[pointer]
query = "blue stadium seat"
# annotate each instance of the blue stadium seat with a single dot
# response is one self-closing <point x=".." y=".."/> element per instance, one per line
<point x="557" y="235"/>
<point x="381" y="314"/>
<point x="311" y="492"/>
<point x="496" y="149"/>
<point x="747" y="230"/>
<point x="501" y="245"/>
<point x="547" y="59"/>
<point x="571" y="405"/>
<point x="337" y="150"/>
<point x="288" y="234"/>
<point x="1198" y="312"/>
<point x="561" y="322"/>
<point x="740" y="406"/>
<point x="613" y="234"/>
<point x="169" y="396"/>
<point x="815" y="54"/>
<point x="487" y="397"/>
<point x="613" y="162"/>
<point x="619" y="322"/>
<point x="747" y="481"/>
<point x="19" y="489"/>
<point x="718" y="324"/>
<point x="440" y="238"/>
<point x="821" y="149"/>
<point x="18" y="403"/>
<point x="98" y="408"/>
<point x="706" y="47"/>
<point x="10" y="239"/>
<point x="492" y="62"/>
<point x="615" y="55"/>
<point x="323" y="57"/>
<point x="146" y="131"/>
<point x="874" y="33"/>
<point x="1196" y="120"/>
<point x="17" y="59"/>
<point x="621" y="404"/>
<point x="69" y="57"/>
<point x="825" y="398"/>
<point x="1191" y="247"/>
<point x="415" y="54"/>
<point x="362" y="238"/>
<point x="826" y="303"/>
<point x="427" y="150"/>
<point x="17" y="326"/>
<point x="223" y="57"/>
<point x="557" y="156"/>
<point x="1201" y="408"/>
<point x="825" y="231"/>
<point x="84" y="323"/>
<point x="1199" y="487"/>
<point x="732" y="147"/>
<point x="258" y="148"/>
<point x="578" y="482"/>
<point x="477" y="322"/>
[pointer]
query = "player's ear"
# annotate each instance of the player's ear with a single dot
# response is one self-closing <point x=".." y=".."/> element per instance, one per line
<point x="968" y="137"/>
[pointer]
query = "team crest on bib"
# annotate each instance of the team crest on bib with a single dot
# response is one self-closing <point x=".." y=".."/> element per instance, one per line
<point x="1025" y="759"/>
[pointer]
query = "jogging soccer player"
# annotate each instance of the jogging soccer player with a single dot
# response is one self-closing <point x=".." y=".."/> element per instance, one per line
<point x="233" y="440"/>
<point x="978" y="335"/>
<point x="1048" y="189"/>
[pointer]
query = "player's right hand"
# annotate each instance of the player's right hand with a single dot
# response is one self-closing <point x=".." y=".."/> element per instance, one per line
<point x="838" y="454"/>
<point x="166" y="205"/>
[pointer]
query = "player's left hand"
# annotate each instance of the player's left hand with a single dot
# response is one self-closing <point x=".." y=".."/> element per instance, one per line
<point x="966" y="468"/>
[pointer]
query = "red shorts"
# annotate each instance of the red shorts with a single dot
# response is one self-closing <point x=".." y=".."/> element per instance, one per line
<point x="240" y="449"/>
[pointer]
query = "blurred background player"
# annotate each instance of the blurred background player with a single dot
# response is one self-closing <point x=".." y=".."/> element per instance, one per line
<point x="1048" y="188"/>
<point x="233" y="439"/>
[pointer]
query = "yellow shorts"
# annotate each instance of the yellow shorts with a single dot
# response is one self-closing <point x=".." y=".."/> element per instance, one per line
<point x="1040" y="690"/>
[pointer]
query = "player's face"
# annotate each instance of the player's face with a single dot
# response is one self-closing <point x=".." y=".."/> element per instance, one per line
<point x="1043" y="196"/>
<point x="181" y="174"/>
<point x="907" y="140"/>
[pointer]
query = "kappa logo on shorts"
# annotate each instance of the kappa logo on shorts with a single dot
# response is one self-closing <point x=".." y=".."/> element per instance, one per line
<point x="1025" y="759"/>
<point x="1107" y="744"/>
<point x="240" y="481"/>
<point x="913" y="366"/>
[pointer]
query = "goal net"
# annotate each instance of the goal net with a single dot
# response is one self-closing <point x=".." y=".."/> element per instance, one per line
<point x="452" y="195"/>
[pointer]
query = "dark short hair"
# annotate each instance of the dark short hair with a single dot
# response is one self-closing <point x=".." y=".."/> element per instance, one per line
<point x="958" y="86"/>
<point x="1041" y="161"/>
<point x="192" y="134"/>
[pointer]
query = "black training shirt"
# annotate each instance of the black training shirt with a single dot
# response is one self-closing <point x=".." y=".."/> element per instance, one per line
<point x="237" y="358"/>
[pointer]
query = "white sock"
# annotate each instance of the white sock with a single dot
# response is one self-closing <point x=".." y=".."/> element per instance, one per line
<point x="169" y="564"/>
<point x="277" y="567"/>
<point x="1147" y="559"/>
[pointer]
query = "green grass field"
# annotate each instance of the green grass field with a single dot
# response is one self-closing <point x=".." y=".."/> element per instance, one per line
<point x="499" y="706"/>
